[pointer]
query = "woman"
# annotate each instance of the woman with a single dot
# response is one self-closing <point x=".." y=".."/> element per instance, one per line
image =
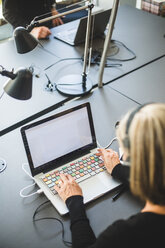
<point x="141" y="135"/>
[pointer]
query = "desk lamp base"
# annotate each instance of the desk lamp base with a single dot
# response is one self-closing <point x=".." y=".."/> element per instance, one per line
<point x="72" y="85"/>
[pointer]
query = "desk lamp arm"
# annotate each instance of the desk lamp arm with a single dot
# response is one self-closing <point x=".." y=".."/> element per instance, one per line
<point x="35" y="23"/>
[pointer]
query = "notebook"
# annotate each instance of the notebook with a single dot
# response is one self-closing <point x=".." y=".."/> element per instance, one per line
<point x="66" y="143"/>
<point x="74" y="32"/>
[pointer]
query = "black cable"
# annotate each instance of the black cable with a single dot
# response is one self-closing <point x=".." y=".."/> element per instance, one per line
<point x="96" y="58"/>
<point x="67" y="243"/>
<point x="61" y="60"/>
<point x="36" y="211"/>
<point x="128" y="49"/>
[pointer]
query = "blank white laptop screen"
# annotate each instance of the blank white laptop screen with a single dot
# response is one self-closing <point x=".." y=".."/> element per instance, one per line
<point x="58" y="137"/>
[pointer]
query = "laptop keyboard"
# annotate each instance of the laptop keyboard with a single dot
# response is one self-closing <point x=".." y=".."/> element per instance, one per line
<point x="80" y="170"/>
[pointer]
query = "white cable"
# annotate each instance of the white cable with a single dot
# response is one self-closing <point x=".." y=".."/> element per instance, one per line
<point x="39" y="191"/>
<point x="22" y="195"/>
<point x="110" y="143"/>
<point x="26" y="170"/>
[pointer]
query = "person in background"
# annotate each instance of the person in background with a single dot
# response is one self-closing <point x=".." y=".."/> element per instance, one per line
<point x="141" y="135"/>
<point x="22" y="12"/>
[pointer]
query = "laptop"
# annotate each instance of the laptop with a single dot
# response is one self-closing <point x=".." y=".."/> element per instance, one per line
<point x="66" y="143"/>
<point x="74" y="32"/>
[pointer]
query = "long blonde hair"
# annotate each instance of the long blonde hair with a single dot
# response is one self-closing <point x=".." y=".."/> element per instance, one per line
<point x="146" y="152"/>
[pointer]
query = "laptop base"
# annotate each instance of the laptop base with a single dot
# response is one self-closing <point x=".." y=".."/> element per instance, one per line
<point x="72" y="85"/>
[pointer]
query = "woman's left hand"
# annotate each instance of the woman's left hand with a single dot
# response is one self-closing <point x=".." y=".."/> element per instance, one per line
<point x="67" y="187"/>
<point x="110" y="157"/>
<point x="56" y="21"/>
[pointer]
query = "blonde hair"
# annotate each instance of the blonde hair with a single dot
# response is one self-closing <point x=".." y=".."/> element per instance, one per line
<point x="146" y="152"/>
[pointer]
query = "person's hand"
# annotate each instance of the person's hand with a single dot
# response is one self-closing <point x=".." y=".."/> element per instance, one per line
<point x="67" y="187"/>
<point x="40" y="32"/>
<point x="110" y="157"/>
<point x="56" y="21"/>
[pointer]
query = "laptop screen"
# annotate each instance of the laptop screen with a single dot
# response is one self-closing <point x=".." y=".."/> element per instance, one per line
<point x="59" y="139"/>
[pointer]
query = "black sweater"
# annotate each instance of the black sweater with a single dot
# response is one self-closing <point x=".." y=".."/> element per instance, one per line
<point x="22" y="12"/>
<point x="141" y="230"/>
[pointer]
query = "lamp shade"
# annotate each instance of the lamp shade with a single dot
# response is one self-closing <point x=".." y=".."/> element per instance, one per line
<point x="21" y="86"/>
<point x="24" y="41"/>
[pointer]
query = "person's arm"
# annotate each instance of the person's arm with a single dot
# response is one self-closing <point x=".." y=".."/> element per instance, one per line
<point x="121" y="172"/>
<point x="11" y="13"/>
<point x="71" y="193"/>
<point x="82" y="233"/>
<point x="113" y="166"/>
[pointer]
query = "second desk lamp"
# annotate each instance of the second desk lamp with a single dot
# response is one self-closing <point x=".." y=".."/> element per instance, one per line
<point x="19" y="86"/>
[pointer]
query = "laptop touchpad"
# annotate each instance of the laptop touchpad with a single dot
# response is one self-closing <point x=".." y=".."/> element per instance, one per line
<point x="93" y="188"/>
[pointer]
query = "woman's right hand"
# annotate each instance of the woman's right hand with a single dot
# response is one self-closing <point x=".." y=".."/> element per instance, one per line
<point x="110" y="157"/>
<point x="40" y="32"/>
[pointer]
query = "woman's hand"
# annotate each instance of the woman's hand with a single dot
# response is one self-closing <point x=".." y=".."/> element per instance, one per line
<point x="40" y="32"/>
<point x="110" y="157"/>
<point x="67" y="187"/>
<point x="56" y="21"/>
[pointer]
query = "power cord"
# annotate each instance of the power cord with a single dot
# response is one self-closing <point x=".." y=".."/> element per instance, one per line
<point x="109" y="144"/>
<point x="128" y="49"/>
<point x="39" y="191"/>
<point x="96" y="55"/>
<point x="67" y="243"/>
<point x="96" y="58"/>
<point x="93" y="59"/>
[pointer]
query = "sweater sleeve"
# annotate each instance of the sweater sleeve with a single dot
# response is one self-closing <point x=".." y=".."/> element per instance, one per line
<point x="121" y="172"/>
<point x="12" y="13"/>
<point x="82" y="233"/>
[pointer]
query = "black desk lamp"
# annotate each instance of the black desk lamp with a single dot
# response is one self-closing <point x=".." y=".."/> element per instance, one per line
<point x="69" y="85"/>
<point x="19" y="86"/>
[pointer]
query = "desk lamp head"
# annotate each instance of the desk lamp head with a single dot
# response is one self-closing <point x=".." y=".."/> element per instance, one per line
<point x="24" y="41"/>
<point x="19" y="85"/>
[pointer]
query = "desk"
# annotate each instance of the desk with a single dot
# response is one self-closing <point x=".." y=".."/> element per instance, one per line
<point x="144" y="85"/>
<point x="16" y="213"/>
<point x="107" y="105"/>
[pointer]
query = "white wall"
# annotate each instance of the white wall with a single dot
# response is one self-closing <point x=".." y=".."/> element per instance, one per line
<point x="138" y="4"/>
<point x="105" y="4"/>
